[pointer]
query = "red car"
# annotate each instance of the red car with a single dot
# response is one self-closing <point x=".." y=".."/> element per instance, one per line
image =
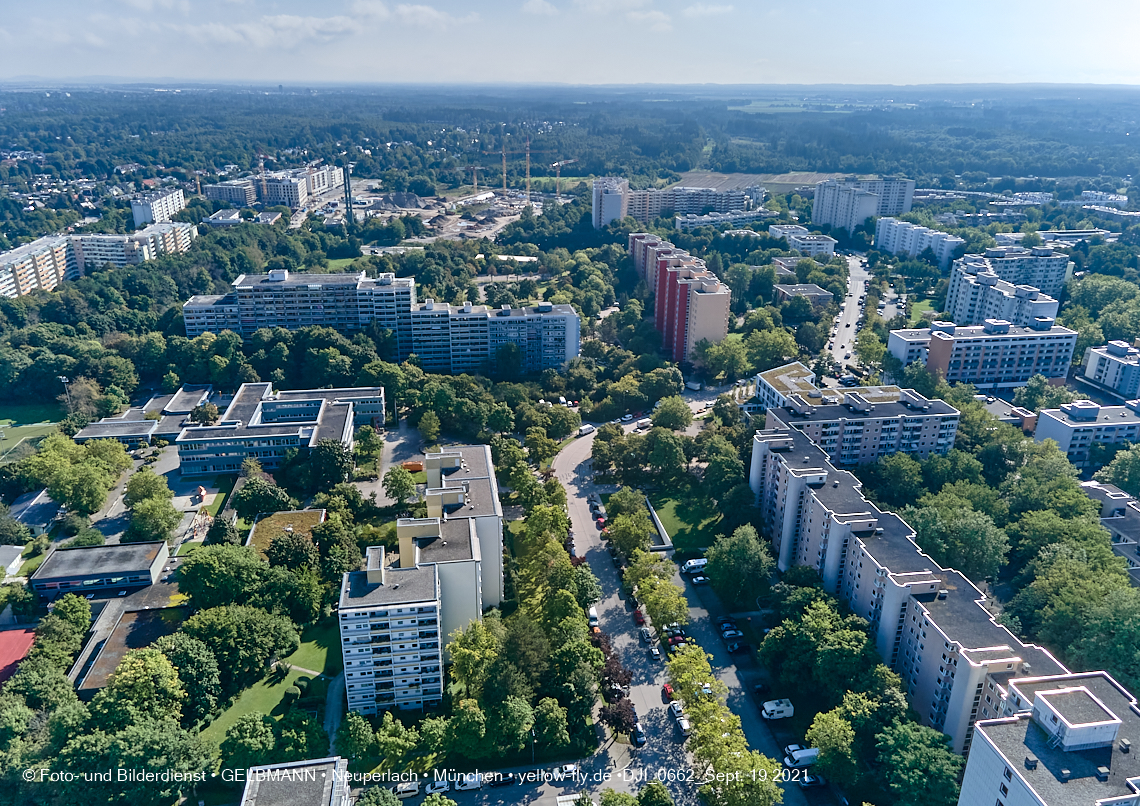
<point x="638" y="616"/>
<point x="667" y="690"/>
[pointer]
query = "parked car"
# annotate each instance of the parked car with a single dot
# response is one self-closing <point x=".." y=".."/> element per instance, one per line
<point x="654" y="653"/>
<point x="503" y="779"/>
<point x="700" y="580"/>
<point x="437" y="787"/>
<point x="638" y="736"/>
<point x="638" y="616"/>
<point x="625" y="418"/>
<point x="724" y="622"/>
<point x="676" y="709"/>
<point x="735" y="647"/>
<point x="667" y="691"/>
<point x="408" y="789"/>
<point x="792" y="748"/>
<point x="472" y="780"/>
<point x="730" y="635"/>
<point x="685" y="727"/>
<point x="646" y="635"/>
<point x="810" y="780"/>
<point x="566" y="771"/>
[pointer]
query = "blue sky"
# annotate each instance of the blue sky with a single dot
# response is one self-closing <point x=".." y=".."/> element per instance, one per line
<point x="575" y="41"/>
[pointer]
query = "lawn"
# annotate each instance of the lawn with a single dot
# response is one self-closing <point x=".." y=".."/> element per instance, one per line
<point x="30" y="565"/>
<point x="30" y="413"/>
<point x="337" y="264"/>
<point x="320" y="648"/>
<point x="689" y="518"/>
<point x="225" y="485"/>
<point x="270" y="526"/>
<point x="264" y="696"/>
<point x="187" y="548"/>
<point x="917" y="308"/>
<point x="13" y="435"/>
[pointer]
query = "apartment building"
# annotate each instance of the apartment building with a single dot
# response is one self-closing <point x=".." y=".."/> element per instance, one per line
<point x="1061" y="740"/>
<point x="776" y="387"/>
<point x="692" y="304"/>
<point x="816" y="295"/>
<point x="977" y="294"/>
<point x="847" y="203"/>
<point x="1120" y="515"/>
<point x="904" y="238"/>
<point x="806" y="243"/>
<point x="1114" y="368"/>
<point x="994" y="355"/>
<point x="236" y="192"/>
<point x="928" y="623"/>
<point x="691" y="221"/>
<point x="94" y="251"/>
<point x="857" y="431"/>
<point x="314" y="782"/>
<point x="157" y="207"/>
<point x="611" y="200"/>
<point x="264" y="425"/>
<point x="395" y="620"/>
<point x="40" y="265"/>
<point x="289" y="189"/>
<point x="1040" y="266"/>
<point x="1079" y="425"/>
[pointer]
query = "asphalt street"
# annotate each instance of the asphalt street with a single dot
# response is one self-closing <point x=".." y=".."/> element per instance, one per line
<point x="845" y="327"/>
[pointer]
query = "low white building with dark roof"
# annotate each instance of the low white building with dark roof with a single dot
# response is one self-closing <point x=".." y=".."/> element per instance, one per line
<point x="91" y="568"/>
<point x="36" y="510"/>
<point x="315" y="782"/>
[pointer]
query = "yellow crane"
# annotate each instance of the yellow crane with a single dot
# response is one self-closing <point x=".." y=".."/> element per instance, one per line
<point x="474" y="169"/>
<point x="558" y="177"/>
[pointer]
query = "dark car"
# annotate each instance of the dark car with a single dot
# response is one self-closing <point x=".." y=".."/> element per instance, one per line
<point x="724" y="622"/>
<point x="733" y="648"/>
<point x="503" y="779"/>
<point x="759" y="689"/>
<point x="678" y="639"/>
<point x="638" y="736"/>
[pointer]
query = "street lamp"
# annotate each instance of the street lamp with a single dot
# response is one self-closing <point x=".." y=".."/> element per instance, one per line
<point x="532" y="745"/>
<point x="65" y="381"/>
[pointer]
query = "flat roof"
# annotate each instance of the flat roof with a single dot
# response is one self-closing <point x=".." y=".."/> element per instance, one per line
<point x="295" y="279"/>
<point x="14" y="647"/>
<point x="803" y="289"/>
<point x="118" y="429"/>
<point x="1108" y="415"/>
<point x="136" y="629"/>
<point x="301" y="521"/>
<point x="830" y="412"/>
<point x="790" y="378"/>
<point x="96" y="560"/>
<point x="1078" y="706"/>
<point x="320" y="782"/>
<point x="418" y="583"/>
<point x="455" y="542"/>
<point x="34" y="509"/>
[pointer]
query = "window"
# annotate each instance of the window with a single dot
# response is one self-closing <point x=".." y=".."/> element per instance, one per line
<point x="1008" y="775"/>
<point x="1003" y="789"/>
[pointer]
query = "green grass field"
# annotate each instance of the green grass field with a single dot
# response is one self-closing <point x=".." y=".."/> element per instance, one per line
<point x="916" y="310"/>
<point x="264" y="696"/>
<point x="225" y="485"/>
<point x="320" y="648"/>
<point x="31" y="413"/>
<point x="689" y="520"/>
<point x="13" y="435"/>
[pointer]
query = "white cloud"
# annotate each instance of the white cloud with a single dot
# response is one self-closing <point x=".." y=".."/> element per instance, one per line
<point x="539" y="8"/>
<point x="656" y="20"/>
<point x="706" y="10"/>
<point x="369" y="9"/>
<point x="429" y="17"/>
<point x="162" y="5"/>
<point x="608" y="6"/>
<point x="278" y="30"/>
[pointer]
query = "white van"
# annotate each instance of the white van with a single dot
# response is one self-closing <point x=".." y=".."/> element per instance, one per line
<point x="472" y="780"/>
<point x="777" y="709"/>
<point x="693" y="566"/>
<point x="593" y="616"/>
<point x="643" y="423"/>
<point x="586" y="429"/>
<point x="804" y="757"/>
<point x="408" y="789"/>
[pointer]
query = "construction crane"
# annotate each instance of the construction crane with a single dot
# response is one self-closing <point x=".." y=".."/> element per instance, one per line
<point x="528" y="153"/>
<point x="263" y="190"/>
<point x="558" y="177"/>
<point x="474" y="169"/>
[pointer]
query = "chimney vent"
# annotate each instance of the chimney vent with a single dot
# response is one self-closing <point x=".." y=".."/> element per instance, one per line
<point x="1030" y="761"/>
<point x="1102" y="774"/>
<point x="1065" y="775"/>
<point x="1125" y="745"/>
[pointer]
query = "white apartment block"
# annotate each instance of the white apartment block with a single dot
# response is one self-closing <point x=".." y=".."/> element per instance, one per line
<point x="1115" y="368"/>
<point x="1097" y="197"/>
<point x="236" y="192"/>
<point x="902" y="237"/>
<point x="611" y="200"/>
<point x="995" y="355"/>
<point x="1120" y="515"/>
<point x="691" y="221"/>
<point x="291" y="190"/>
<point x="313" y="782"/>
<point x="93" y="251"/>
<point x="927" y="622"/>
<point x="1077" y="426"/>
<point x="157" y="207"/>
<point x="858" y="431"/>
<point x="976" y="294"/>
<point x="1039" y="267"/>
<point x="40" y="265"/>
<point x="847" y="203"/>
<point x="1060" y="740"/>
<point x="395" y="620"/>
<point x="806" y="243"/>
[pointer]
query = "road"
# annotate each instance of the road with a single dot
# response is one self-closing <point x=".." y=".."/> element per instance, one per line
<point x="401" y="443"/>
<point x="844" y="339"/>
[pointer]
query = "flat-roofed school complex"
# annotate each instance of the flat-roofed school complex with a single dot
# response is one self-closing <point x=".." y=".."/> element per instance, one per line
<point x="91" y="568"/>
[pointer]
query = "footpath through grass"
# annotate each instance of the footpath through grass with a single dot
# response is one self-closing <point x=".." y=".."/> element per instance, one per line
<point x="265" y="696"/>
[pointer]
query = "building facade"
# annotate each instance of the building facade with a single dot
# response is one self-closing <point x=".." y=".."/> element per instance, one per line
<point x="264" y="425"/>
<point x="691" y="221"/>
<point x="995" y="355"/>
<point x="692" y="305"/>
<point x="1079" y="425"/>
<point x="236" y="192"/>
<point x="1039" y="266"/>
<point x="1115" y="368"/>
<point x="157" y="207"/>
<point x="1120" y="515"/>
<point x="806" y="243"/>
<point x="40" y="265"/>
<point x="847" y="203"/>
<point x="977" y="294"/>
<point x="91" y="568"/>
<point x="94" y="251"/>
<point x="902" y="237"/>
<point x="816" y="295"/>
<point x="928" y="623"/>
<point x="858" y="431"/>
<point x="611" y="200"/>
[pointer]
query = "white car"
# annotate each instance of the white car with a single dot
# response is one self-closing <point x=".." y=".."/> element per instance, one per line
<point x="437" y="787"/>
<point x="566" y="771"/>
<point x="677" y="709"/>
<point x="408" y="789"/>
<point x="472" y="780"/>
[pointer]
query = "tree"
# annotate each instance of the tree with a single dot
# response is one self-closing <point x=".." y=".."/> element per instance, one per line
<point x="918" y="765"/>
<point x="429" y="427"/>
<point x="249" y="742"/>
<point x="631" y="532"/>
<point x="654" y="794"/>
<point x="146" y="483"/>
<point x="330" y="463"/>
<point x="896" y="480"/>
<point x="539" y="446"/>
<point x="75" y="610"/>
<point x="619" y="716"/>
<point x="673" y="413"/>
<point x="550" y="726"/>
<point x="722" y="474"/>
<point x="221" y="575"/>
<point x="250" y="468"/>
<point x="737" y="564"/>
<point x="511" y="723"/>
<point x="437" y="799"/>
<point x="1038" y="393"/>
<point x="293" y="550"/>
<point x="625" y="501"/>
<point x="222" y="532"/>
<point x="152" y="519"/>
<point x="611" y="798"/>
<point x="667" y="456"/>
<point x="473" y="650"/>
<point x="869" y="347"/>
<point x="960" y="538"/>
<point x="645" y="565"/>
<point x="299" y="736"/>
<point x="244" y="640"/>
<point x="466" y="730"/>
<point x="394" y="740"/>
<point x="1123" y="471"/>
<point x="562" y="422"/>
<point x="12" y="532"/>
<point x="145" y="685"/>
<point x="368" y="442"/>
<point x="206" y="414"/>
<point x="378" y="796"/>
<point x="399" y="484"/>
<point x="835" y="739"/>
<point x="769" y="348"/>
<point x="197" y="670"/>
<point x="259" y="495"/>
<point x="82" y="487"/>
<point x="664" y="602"/>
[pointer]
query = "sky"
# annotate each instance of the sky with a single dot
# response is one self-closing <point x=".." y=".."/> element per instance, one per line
<point x="573" y="41"/>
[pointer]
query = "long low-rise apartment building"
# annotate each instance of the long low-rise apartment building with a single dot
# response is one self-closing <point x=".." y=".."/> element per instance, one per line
<point x="1120" y="515"/>
<point x="927" y="622"/>
<point x="858" y="431"/>
<point x="904" y="238"/>
<point x="995" y="355"/>
<point x="447" y="338"/>
<point x="1079" y="425"/>
<point x="264" y="425"/>
<point x="976" y="294"/>
<point x="395" y="619"/>
<point x="1114" y="368"/>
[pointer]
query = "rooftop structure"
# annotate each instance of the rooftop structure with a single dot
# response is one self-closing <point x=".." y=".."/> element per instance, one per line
<point x="319" y="782"/>
<point x="135" y="629"/>
<point x="1062" y="739"/>
<point x="264" y="425"/>
<point x="1039" y="267"/>
<point x="1113" y="368"/>
<point x="11" y="560"/>
<point x="1079" y="425"/>
<point x="818" y="297"/>
<point x="776" y="387"/>
<point x="1120" y="515"/>
<point x="1066" y="237"/>
<point x="81" y="570"/>
<point x="976" y="294"/>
